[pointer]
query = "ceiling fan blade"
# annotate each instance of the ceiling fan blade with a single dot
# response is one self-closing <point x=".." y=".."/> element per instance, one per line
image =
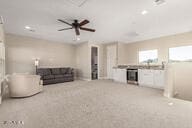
<point x="64" y="22"/>
<point x="64" y="29"/>
<point x="84" y="22"/>
<point x="87" y="29"/>
<point x="77" y="31"/>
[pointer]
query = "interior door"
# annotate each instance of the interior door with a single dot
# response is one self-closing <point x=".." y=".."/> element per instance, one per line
<point x="111" y="60"/>
<point x="94" y="63"/>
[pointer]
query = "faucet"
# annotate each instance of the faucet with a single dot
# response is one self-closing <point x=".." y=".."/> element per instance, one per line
<point x="148" y="64"/>
<point x="163" y="64"/>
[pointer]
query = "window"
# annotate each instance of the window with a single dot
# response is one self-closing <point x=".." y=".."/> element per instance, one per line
<point x="180" y="54"/>
<point x="148" y="56"/>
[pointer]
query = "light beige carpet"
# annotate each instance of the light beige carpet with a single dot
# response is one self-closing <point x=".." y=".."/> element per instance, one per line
<point x="96" y="104"/>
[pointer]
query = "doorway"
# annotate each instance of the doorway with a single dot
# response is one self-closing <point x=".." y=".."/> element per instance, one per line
<point x="94" y="63"/>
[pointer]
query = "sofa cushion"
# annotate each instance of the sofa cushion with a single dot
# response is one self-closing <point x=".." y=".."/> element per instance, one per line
<point x="58" y="76"/>
<point x="48" y="77"/>
<point x="56" y="71"/>
<point x="43" y="71"/>
<point x="64" y="70"/>
<point x="68" y="75"/>
<point x="69" y="71"/>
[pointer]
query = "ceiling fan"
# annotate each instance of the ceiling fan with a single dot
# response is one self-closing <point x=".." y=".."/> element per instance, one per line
<point x="77" y="26"/>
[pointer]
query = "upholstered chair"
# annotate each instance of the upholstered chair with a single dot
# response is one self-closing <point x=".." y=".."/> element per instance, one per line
<point x="24" y="85"/>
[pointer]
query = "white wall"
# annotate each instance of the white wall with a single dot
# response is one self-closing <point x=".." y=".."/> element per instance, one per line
<point x="21" y="52"/>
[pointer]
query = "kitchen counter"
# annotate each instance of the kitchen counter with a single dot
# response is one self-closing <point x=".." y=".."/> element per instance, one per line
<point x="153" y="77"/>
<point x="151" y="67"/>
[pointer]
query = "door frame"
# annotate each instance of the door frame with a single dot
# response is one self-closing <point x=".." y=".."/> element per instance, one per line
<point x="98" y="62"/>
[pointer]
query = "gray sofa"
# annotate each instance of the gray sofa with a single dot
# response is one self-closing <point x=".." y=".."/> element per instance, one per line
<point x="55" y="75"/>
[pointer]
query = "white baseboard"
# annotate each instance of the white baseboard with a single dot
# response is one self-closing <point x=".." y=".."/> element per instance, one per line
<point x="103" y="78"/>
<point x="167" y="95"/>
<point x="85" y="79"/>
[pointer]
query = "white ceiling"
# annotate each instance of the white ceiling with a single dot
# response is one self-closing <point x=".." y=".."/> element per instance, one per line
<point x="114" y="20"/>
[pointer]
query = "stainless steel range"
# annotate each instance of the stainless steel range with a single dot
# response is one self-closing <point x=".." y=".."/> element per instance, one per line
<point x="132" y="76"/>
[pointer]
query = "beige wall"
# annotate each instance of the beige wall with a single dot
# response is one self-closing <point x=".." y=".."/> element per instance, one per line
<point x="21" y="52"/>
<point x="82" y="61"/>
<point x="182" y="82"/>
<point x="128" y="53"/>
<point x="179" y="82"/>
<point x="1" y="33"/>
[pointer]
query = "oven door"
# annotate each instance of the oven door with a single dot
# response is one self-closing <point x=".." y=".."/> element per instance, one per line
<point x="132" y="75"/>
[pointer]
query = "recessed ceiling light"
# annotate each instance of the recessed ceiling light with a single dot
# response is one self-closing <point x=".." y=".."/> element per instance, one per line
<point x="27" y="27"/>
<point x="144" y="12"/>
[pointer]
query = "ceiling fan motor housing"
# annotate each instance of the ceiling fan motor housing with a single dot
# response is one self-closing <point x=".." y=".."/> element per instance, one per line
<point x="75" y="24"/>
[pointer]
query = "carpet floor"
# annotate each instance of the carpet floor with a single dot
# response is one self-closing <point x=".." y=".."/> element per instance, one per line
<point x="96" y="104"/>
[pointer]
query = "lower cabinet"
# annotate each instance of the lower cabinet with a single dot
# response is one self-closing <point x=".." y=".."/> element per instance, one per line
<point x="146" y="77"/>
<point x="120" y="75"/>
<point x="159" y="79"/>
<point x="151" y="78"/>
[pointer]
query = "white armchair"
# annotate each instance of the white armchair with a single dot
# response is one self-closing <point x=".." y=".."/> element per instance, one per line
<point x="23" y="85"/>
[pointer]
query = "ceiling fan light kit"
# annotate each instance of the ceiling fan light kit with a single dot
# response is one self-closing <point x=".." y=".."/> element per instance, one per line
<point x="77" y="26"/>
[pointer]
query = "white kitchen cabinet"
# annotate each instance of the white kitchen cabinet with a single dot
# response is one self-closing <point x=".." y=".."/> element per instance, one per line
<point x="159" y="78"/>
<point x="151" y="78"/>
<point x="120" y="75"/>
<point x="145" y="77"/>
